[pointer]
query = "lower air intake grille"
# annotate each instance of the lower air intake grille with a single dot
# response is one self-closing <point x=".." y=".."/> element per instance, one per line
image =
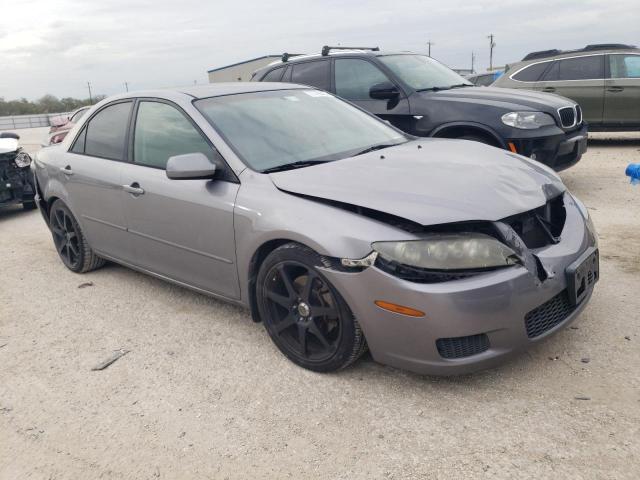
<point x="567" y="116"/>
<point x="548" y="315"/>
<point x="460" y="347"/>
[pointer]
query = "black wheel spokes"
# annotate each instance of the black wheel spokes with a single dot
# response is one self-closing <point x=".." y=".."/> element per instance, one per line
<point x="65" y="237"/>
<point x="304" y="312"/>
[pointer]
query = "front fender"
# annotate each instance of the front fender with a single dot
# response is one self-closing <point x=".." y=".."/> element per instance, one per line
<point x="471" y="125"/>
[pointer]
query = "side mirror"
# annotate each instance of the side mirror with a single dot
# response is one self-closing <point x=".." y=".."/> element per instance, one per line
<point x="191" y="166"/>
<point x="384" y="91"/>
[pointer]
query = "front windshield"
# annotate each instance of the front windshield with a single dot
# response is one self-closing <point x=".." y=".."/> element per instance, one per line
<point x="423" y="73"/>
<point x="277" y="128"/>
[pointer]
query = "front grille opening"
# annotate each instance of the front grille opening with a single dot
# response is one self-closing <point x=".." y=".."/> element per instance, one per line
<point x="578" y="115"/>
<point x="461" y="347"/>
<point x="567" y="117"/>
<point x="542" y="226"/>
<point x="548" y="315"/>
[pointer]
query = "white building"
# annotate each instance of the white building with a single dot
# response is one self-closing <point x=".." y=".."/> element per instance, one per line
<point x="241" y="71"/>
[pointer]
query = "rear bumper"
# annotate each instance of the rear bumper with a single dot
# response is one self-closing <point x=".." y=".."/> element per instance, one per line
<point x="493" y="306"/>
<point x="557" y="151"/>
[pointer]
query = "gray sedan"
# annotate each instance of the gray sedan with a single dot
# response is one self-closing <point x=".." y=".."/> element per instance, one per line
<point x="338" y="231"/>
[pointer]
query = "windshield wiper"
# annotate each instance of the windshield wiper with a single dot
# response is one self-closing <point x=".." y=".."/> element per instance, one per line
<point x="460" y="85"/>
<point x="433" y="89"/>
<point x="373" y="148"/>
<point x="293" y="165"/>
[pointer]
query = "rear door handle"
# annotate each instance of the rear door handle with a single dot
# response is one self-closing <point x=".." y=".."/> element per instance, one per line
<point x="549" y="89"/>
<point x="134" y="189"/>
<point x="615" y="89"/>
<point x="67" y="170"/>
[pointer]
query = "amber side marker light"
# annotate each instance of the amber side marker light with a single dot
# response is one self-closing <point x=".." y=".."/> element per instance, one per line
<point x="512" y="147"/>
<point x="395" y="308"/>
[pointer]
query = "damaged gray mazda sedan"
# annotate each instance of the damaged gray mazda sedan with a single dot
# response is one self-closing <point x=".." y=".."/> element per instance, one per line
<point x="338" y="231"/>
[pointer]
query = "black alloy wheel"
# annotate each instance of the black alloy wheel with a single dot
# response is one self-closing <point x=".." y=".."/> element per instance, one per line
<point x="70" y="243"/>
<point x="304" y="314"/>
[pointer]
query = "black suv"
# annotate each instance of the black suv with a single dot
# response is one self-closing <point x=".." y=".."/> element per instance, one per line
<point x="425" y="98"/>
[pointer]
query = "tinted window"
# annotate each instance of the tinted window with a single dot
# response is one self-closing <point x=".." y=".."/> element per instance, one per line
<point x="106" y="132"/>
<point x="162" y="132"/>
<point x="485" y="80"/>
<point x="274" y="75"/>
<point x="355" y="77"/>
<point x="580" y="68"/>
<point x="624" y="66"/>
<point x="315" y="74"/>
<point x="78" y="146"/>
<point x="532" y="73"/>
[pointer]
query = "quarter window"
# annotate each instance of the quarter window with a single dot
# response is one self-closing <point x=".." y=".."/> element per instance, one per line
<point x="315" y="74"/>
<point x="355" y="77"/>
<point x="274" y="75"/>
<point x="107" y="131"/>
<point x="532" y="73"/>
<point x="624" y="66"/>
<point x="78" y="146"/>
<point x="161" y="132"/>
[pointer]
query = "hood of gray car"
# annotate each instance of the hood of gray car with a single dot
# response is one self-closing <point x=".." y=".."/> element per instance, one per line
<point x="508" y="98"/>
<point x="444" y="181"/>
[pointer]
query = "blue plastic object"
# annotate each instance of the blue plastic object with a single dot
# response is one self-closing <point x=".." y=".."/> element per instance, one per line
<point x="633" y="171"/>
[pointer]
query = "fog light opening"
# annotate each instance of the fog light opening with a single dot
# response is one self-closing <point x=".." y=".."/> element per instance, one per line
<point x="402" y="310"/>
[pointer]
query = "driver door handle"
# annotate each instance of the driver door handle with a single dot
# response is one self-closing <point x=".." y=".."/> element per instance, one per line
<point x="134" y="189"/>
<point x="615" y="89"/>
<point x="549" y="89"/>
<point x="66" y="170"/>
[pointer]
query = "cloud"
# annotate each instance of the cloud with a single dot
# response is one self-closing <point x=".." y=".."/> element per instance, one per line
<point x="56" y="47"/>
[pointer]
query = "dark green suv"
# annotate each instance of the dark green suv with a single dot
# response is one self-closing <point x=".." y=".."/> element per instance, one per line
<point x="604" y="79"/>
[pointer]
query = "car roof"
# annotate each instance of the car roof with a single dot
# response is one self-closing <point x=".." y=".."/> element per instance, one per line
<point x="588" y="50"/>
<point x="337" y="53"/>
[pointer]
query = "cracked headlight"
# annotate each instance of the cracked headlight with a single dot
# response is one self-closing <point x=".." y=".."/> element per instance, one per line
<point x="462" y="251"/>
<point x="527" y="120"/>
<point x="22" y="160"/>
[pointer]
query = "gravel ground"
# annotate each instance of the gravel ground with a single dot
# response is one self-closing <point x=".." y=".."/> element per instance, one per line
<point x="204" y="393"/>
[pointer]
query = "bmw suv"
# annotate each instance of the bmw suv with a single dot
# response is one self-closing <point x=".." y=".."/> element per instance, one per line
<point x="604" y="79"/>
<point x="425" y="98"/>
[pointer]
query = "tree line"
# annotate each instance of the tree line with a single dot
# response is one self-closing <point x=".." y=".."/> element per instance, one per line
<point x="46" y="104"/>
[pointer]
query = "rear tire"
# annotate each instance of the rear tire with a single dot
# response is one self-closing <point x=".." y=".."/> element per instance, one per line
<point x="70" y="242"/>
<point x="305" y="316"/>
<point x="29" y="205"/>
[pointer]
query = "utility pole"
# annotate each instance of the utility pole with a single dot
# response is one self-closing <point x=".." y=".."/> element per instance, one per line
<point x="491" y="45"/>
<point x="126" y="86"/>
<point x="89" y="87"/>
<point x="473" y="58"/>
<point x="429" y="43"/>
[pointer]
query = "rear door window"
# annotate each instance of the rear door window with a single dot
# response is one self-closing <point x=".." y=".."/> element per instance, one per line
<point x="106" y="132"/>
<point x="532" y="73"/>
<point x="315" y="74"/>
<point x="354" y="78"/>
<point x="624" y="66"/>
<point x="579" y="68"/>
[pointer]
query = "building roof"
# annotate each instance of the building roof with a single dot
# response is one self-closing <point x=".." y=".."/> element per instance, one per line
<point x="243" y="62"/>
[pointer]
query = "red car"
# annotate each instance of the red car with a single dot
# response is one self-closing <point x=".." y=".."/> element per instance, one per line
<point x="60" y="128"/>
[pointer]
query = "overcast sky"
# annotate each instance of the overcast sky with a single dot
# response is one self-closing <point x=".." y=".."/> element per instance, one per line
<point x="56" y="46"/>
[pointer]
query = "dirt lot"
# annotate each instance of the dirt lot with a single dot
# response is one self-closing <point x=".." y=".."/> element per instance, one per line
<point x="203" y="392"/>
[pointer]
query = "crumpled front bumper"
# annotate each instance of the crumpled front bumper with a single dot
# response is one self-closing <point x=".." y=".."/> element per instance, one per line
<point x="16" y="184"/>
<point x="494" y="304"/>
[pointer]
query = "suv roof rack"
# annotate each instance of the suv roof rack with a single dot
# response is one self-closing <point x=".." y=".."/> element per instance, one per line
<point x="326" y="49"/>
<point x="588" y="48"/>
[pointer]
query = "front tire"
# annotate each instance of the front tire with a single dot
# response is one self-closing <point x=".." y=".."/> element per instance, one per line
<point x="305" y="316"/>
<point x="70" y="242"/>
<point x="29" y="206"/>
